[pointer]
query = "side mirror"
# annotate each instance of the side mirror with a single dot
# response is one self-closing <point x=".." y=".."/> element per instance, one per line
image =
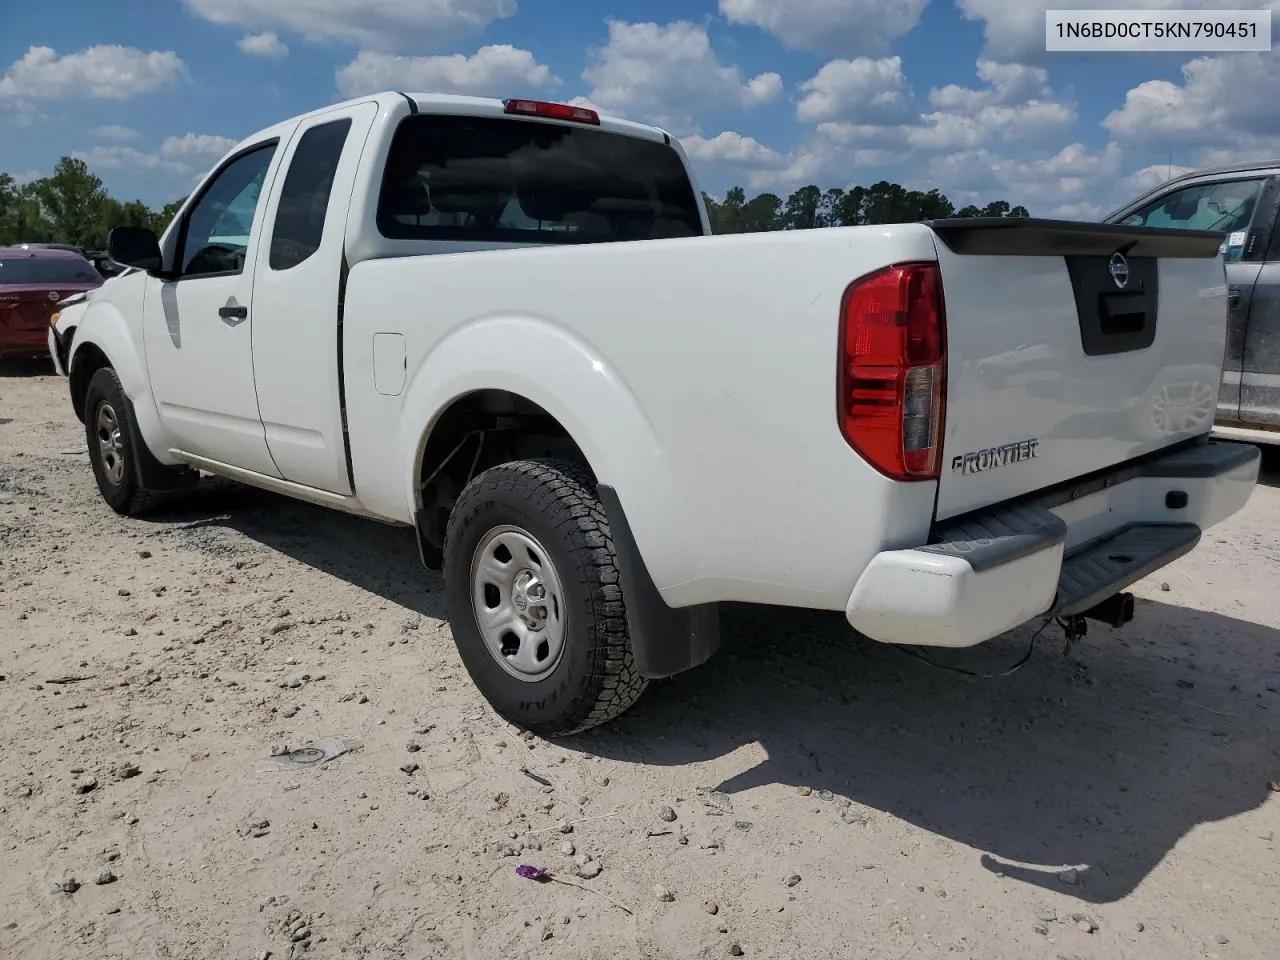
<point x="135" y="247"/>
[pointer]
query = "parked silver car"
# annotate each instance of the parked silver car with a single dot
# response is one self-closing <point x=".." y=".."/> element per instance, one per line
<point x="1241" y="200"/>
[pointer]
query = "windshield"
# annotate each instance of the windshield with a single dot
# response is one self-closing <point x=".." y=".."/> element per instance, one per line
<point x="489" y="179"/>
<point x="51" y="270"/>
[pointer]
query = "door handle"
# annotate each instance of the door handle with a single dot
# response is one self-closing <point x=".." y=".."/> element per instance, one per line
<point x="233" y="313"/>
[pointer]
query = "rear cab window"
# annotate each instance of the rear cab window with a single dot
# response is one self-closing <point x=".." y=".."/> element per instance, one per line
<point x="509" y="180"/>
<point x="304" y="198"/>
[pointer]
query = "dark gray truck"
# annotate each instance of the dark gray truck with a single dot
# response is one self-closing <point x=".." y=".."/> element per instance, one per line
<point x="1243" y="201"/>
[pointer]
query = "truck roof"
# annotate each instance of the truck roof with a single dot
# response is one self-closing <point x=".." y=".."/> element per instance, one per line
<point x="456" y="104"/>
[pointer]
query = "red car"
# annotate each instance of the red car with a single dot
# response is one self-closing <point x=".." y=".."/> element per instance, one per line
<point x="32" y="282"/>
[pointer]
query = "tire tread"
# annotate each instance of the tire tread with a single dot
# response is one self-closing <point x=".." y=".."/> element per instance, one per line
<point x="563" y="491"/>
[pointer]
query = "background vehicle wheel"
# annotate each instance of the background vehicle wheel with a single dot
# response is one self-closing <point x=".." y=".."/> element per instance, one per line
<point x="111" y="449"/>
<point x="535" y="602"/>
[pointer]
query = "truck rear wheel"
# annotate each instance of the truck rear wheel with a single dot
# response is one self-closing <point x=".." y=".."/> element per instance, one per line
<point x="535" y="600"/>
<point x="112" y="453"/>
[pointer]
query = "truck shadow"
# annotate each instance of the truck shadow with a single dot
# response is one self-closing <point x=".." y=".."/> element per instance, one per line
<point x="1270" y="473"/>
<point x="1100" y="763"/>
<point x="376" y="557"/>
<point x="26" y="367"/>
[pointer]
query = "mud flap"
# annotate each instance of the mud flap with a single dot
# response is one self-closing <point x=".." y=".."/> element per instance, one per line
<point x="665" y="640"/>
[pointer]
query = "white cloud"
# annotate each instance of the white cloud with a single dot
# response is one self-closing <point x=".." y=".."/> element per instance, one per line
<point x="1007" y="84"/>
<point x="1080" y="210"/>
<point x="263" y="45"/>
<point x="128" y="158"/>
<point x="862" y="91"/>
<point x="733" y="148"/>
<point x="846" y="27"/>
<point x="1014" y="29"/>
<point x="668" y="74"/>
<point x="196" y="146"/>
<point x="1148" y="178"/>
<point x="496" y="70"/>
<point x="1016" y="104"/>
<point x="103" y="72"/>
<point x="23" y="177"/>
<point x="868" y="102"/>
<point x="385" y="25"/>
<point x="1073" y="175"/>
<point x="1031" y="121"/>
<point x="1224" y="102"/>
<point x="113" y="131"/>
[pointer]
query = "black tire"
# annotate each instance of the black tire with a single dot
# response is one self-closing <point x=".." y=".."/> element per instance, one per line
<point x="595" y="678"/>
<point x="116" y="472"/>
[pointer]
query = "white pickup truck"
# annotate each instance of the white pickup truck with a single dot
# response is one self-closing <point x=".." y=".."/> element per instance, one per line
<point x="503" y="324"/>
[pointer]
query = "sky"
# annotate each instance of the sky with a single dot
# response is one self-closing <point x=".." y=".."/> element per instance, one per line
<point x="769" y="94"/>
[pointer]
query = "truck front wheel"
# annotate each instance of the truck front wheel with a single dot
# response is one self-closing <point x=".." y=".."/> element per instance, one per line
<point x="535" y="600"/>
<point x="109" y="435"/>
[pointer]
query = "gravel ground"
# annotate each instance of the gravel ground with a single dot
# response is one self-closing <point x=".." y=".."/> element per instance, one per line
<point x="804" y="794"/>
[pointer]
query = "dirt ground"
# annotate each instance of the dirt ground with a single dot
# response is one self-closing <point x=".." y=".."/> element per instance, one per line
<point x="831" y="797"/>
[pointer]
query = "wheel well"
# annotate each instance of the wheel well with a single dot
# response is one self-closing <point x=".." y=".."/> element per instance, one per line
<point x="89" y="359"/>
<point x="478" y="431"/>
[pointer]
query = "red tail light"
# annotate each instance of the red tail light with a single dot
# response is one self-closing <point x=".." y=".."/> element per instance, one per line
<point x="892" y="379"/>
<point x="554" y="111"/>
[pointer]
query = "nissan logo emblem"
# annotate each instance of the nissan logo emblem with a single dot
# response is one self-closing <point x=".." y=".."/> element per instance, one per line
<point x="1118" y="267"/>
<point x="53" y="295"/>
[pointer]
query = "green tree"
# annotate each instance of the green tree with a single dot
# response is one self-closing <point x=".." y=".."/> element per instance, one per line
<point x="74" y="203"/>
<point x="160" y="220"/>
<point x="803" y="209"/>
<point x="761" y="213"/>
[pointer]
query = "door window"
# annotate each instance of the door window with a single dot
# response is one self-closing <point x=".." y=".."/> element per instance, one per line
<point x="304" y="198"/>
<point x="215" y="235"/>
<point x="1227" y="206"/>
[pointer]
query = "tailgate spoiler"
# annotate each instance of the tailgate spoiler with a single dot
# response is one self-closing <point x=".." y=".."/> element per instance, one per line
<point x="1030" y="237"/>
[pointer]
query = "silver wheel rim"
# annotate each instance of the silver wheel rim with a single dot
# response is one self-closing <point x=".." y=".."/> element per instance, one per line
<point x="110" y="446"/>
<point x="518" y="602"/>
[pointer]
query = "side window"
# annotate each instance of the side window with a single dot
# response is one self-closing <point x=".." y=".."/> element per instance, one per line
<point x="1226" y="206"/>
<point x="304" y="199"/>
<point x="215" y="235"/>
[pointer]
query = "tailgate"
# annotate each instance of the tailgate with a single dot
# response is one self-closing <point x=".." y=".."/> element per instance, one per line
<point x="1072" y="347"/>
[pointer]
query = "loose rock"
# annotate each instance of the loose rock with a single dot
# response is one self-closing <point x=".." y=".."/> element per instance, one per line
<point x="126" y="770"/>
<point x="1069" y="877"/>
<point x="86" y="785"/>
<point x="662" y="894"/>
<point x="590" y="870"/>
<point x="666" y="814"/>
<point x="735" y="950"/>
<point x="567" y="848"/>
<point x="104" y="878"/>
<point x="69" y="885"/>
<point x="1085" y="922"/>
<point x="804" y="791"/>
<point x="409" y="768"/>
<point x="711" y="907"/>
<point x="792" y="880"/>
